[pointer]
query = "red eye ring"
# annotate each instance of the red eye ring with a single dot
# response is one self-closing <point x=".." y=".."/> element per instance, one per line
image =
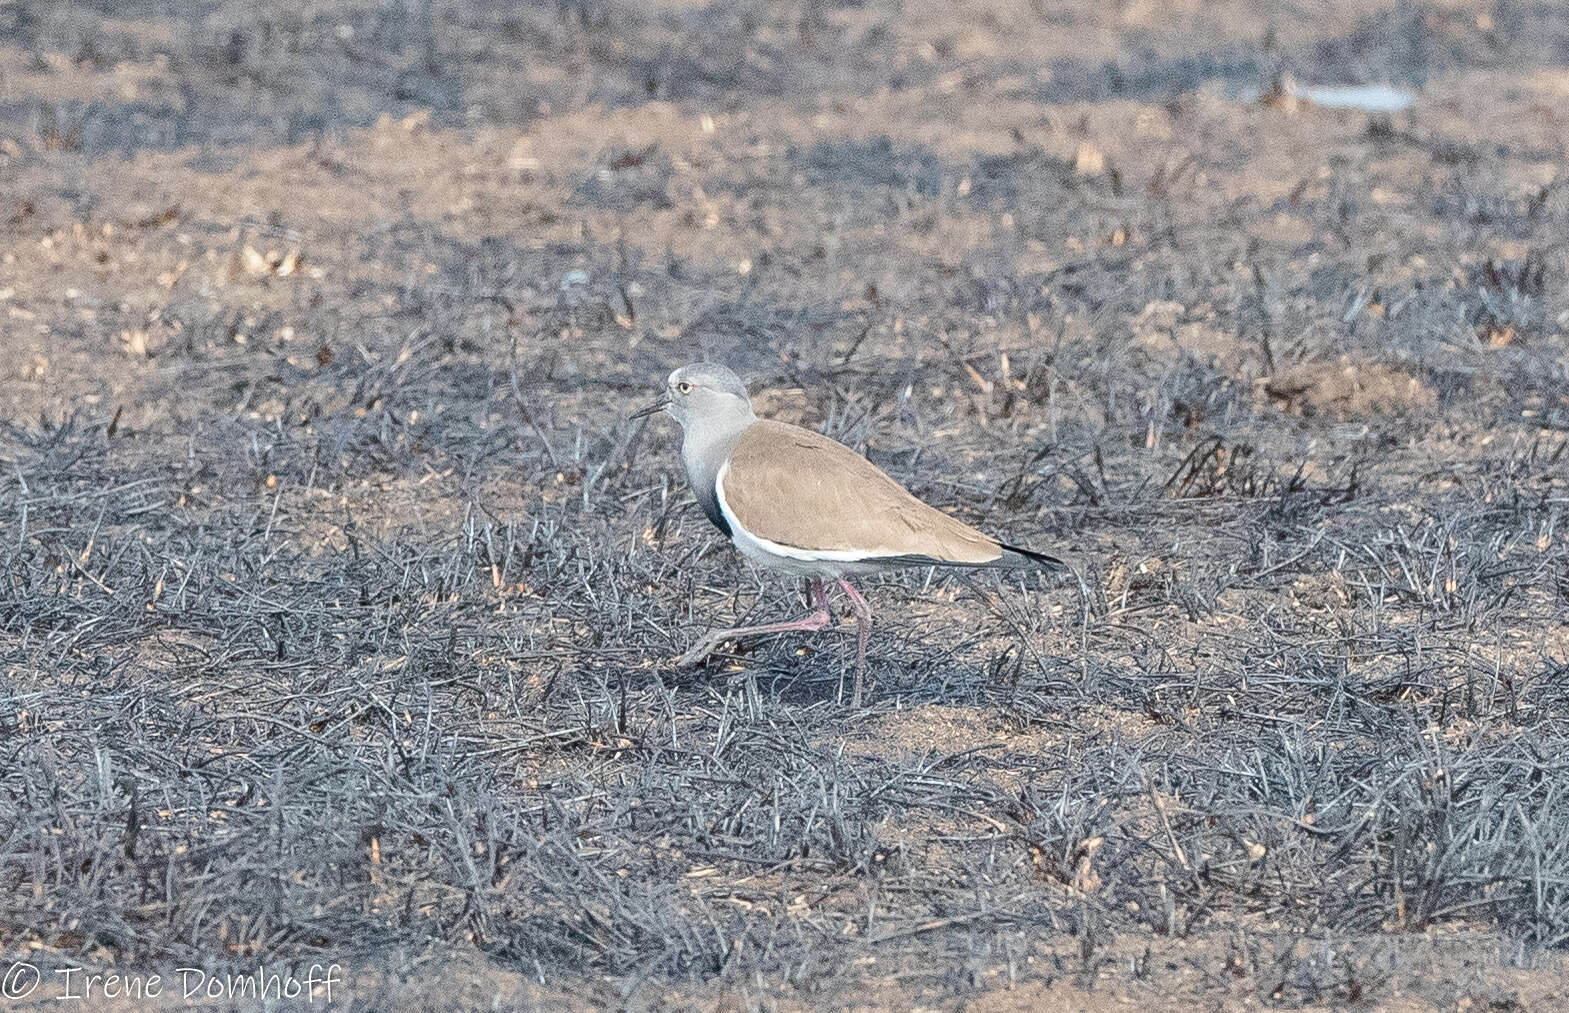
<point x="684" y="387"/>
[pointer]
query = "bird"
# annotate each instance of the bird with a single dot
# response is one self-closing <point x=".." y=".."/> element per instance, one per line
<point x="802" y="504"/>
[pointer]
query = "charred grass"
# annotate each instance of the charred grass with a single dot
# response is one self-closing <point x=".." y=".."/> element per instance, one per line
<point x="336" y="608"/>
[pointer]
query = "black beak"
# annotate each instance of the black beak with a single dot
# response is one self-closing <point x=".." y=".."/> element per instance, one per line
<point x="647" y="410"/>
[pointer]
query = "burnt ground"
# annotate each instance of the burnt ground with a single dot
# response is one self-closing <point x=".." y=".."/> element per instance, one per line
<point x="338" y="596"/>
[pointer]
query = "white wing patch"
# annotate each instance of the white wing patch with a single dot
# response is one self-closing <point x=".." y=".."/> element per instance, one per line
<point x="762" y="548"/>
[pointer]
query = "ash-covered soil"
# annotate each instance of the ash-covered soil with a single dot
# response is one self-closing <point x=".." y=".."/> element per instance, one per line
<point x="338" y="596"/>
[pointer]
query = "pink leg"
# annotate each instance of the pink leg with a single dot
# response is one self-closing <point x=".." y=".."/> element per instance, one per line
<point x="818" y="620"/>
<point x="863" y="629"/>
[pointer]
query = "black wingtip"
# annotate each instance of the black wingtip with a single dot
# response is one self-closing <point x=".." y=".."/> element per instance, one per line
<point x="1013" y="556"/>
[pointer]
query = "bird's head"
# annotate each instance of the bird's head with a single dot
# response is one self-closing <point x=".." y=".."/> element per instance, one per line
<point x="703" y="395"/>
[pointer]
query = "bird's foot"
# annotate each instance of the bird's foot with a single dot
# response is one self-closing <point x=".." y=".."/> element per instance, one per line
<point x="703" y="648"/>
<point x="699" y="652"/>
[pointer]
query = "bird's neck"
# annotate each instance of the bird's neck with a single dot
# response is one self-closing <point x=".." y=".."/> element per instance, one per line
<point x="704" y="450"/>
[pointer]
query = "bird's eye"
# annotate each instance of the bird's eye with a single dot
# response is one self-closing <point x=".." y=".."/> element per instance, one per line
<point x="684" y="387"/>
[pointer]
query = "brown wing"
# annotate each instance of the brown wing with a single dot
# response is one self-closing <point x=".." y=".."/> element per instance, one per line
<point x="798" y="488"/>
